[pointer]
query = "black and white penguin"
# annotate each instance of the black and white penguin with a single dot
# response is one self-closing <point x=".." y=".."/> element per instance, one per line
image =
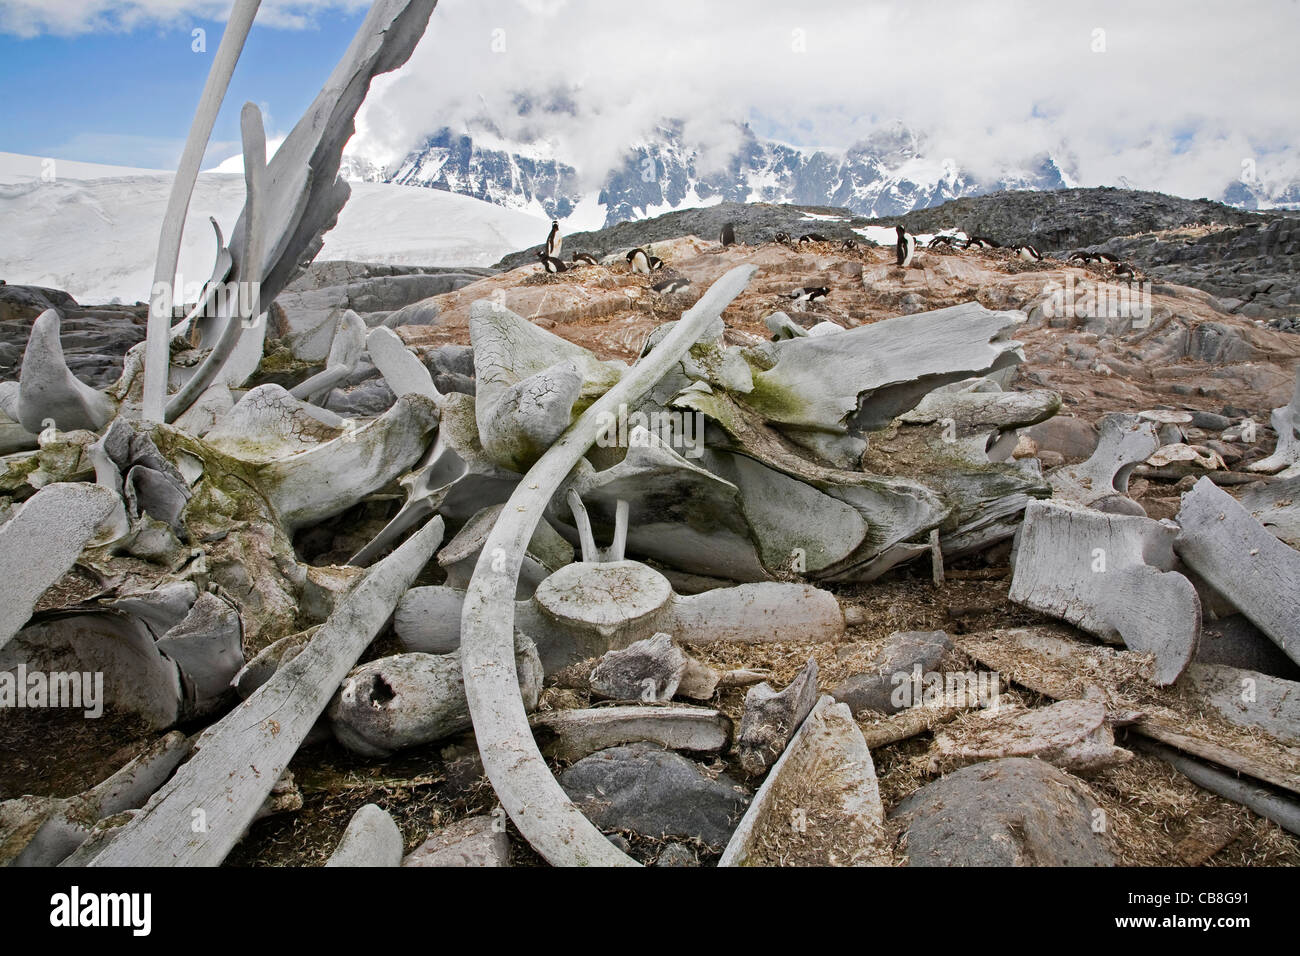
<point x="671" y="285"/>
<point x="982" y="242"/>
<point x="812" y="237"/>
<point x="1124" y="271"/>
<point x="940" y="241"/>
<point x="810" y="293"/>
<point x="656" y="263"/>
<point x="904" y="248"/>
<point x="555" y="241"/>
<point x="585" y="258"/>
<point x="782" y="237"/>
<point x="1028" y="253"/>
<point x="1107" y="258"/>
<point x="728" y="235"/>
<point x="639" y="260"/>
<point x="849" y="245"/>
<point x="1077" y="257"/>
<point x="550" y="263"/>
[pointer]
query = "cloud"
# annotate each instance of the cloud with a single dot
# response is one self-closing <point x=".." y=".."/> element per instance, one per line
<point x="29" y="18"/>
<point x="1170" y="97"/>
<point x="1173" y="96"/>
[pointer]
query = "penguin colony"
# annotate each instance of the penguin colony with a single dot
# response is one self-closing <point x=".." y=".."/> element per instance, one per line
<point x="643" y="263"/>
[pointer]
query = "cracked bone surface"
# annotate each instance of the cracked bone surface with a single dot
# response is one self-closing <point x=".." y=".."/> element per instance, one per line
<point x="530" y="384"/>
<point x="312" y="464"/>
<point x="587" y="609"/>
<point x="1112" y="576"/>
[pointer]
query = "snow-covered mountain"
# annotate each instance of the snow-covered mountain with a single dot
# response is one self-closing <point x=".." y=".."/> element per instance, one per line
<point x="93" y="230"/>
<point x="888" y="174"/>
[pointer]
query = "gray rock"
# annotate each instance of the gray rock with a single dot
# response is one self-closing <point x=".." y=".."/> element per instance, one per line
<point x="371" y="839"/>
<point x="648" y="670"/>
<point x="1236" y="642"/>
<point x="656" y="793"/>
<point x="1011" y="812"/>
<point x="903" y="652"/>
<point x="475" y="841"/>
<point x="677" y="854"/>
<point x="1072" y="438"/>
<point x="772" y="718"/>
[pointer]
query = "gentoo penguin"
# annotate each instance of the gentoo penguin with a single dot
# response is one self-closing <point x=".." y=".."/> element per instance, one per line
<point x="550" y="263"/>
<point x="904" y="248"/>
<point x="1124" y="271"/>
<point x="656" y="263"/>
<point x="555" y="241"/>
<point x="640" y="261"/>
<point x="1078" y="256"/>
<point x="782" y="237"/>
<point x="939" y="241"/>
<point x="1106" y="257"/>
<point x="586" y="258"/>
<point x="671" y="285"/>
<point x="982" y="242"/>
<point x="810" y="293"/>
<point x="728" y="235"/>
<point x="812" y="237"/>
<point x="1028" y="253"/>
<point x="849" y="245"/>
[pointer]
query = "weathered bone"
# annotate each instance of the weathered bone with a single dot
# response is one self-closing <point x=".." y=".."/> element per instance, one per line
<point x="48" y="391"/>
<point x="156" y="351"/>
<point x="411" y="699"/>
<point x="1112" y="576"/>
<point x="531" y="796"/>
<point x="827" y="756"/>
<point x="865" y="377"/>
<point x="242" y="755"/>
<point x="1285" y="459"/>
<point x="1124" y="442"/>
<point x="570" y="735"/>
<point x="64" y="824"/>
<point x="1072" y="734"/>
<point x="401" y="368"/>
<point x="1225" y="545"/>
<point x="1277" y="506"/>
<point x="345" y="351"/>
<point x="454" y="477"/>
<point x="40" y="543"/>
<point x="530" y="384"/>
<point x="233" y="332"/>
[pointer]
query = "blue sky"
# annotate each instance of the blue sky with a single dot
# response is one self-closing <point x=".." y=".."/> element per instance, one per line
<point x="127" y="97"/>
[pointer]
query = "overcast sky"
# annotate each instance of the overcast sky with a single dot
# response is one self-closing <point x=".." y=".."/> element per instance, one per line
<point x="1168" y="95"/>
